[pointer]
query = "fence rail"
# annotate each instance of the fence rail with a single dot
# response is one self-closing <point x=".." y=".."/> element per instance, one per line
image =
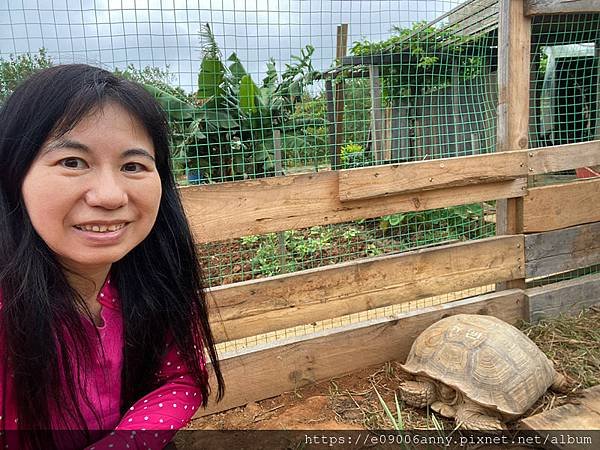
<point x="547" y="7"/>
<point x="549" y="208"/>
<point x="286" y="365"/>
<point x="562" y="250"/>
<point x="563" y="297"/>
<point x="237" y="209"/>
<point x="260" y="306"/>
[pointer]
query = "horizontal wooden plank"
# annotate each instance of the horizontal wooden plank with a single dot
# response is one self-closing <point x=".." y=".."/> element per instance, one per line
<point x="562" y="250"/>
<point x="260" y="306"/>
<point x="564" y="297"/>
<point x="549" y="208"/>
<point x="230" y="210"/>
<point x="546" y="7"/>
<point x="391" y="179"/>
<point x="563" y="157"/>
<point x="582" y="415"/>
<point x="269" y="370"/>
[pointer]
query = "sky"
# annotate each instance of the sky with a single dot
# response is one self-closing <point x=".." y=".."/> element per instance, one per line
<point x="160" y="33"/>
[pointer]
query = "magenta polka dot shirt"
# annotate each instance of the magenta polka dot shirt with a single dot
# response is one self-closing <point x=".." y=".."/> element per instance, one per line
<point x="149" y="424"/>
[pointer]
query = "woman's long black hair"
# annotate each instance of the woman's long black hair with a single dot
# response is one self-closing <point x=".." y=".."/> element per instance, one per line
<point x="159" y="282"/>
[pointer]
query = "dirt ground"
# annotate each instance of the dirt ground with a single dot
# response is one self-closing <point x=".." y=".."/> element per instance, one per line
<point x="351" y="402"/>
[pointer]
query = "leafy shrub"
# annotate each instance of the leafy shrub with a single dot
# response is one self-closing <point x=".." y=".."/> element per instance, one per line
<point x="17" y="68"/>
<point x="353" y="155"/>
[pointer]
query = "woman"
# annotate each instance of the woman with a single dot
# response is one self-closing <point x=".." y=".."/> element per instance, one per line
<point x="103" y="318"/>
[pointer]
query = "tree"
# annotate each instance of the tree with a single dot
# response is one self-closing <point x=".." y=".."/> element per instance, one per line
<point x="18" y="67"/>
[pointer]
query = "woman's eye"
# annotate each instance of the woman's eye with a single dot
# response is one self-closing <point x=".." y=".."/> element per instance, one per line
<point x="73" y="163"/>
<point x="133" y="167"/>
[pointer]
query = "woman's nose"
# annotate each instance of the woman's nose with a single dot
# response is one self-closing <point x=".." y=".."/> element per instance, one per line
<point x="106" y="191"/>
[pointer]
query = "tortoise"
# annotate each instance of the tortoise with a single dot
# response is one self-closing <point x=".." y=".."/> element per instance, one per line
<point x="479" y="370"/>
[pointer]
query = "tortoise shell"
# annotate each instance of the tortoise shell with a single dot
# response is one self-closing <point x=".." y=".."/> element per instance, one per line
<point x="491" y="362"/>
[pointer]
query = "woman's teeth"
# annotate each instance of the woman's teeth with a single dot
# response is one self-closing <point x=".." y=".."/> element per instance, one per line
<point x="100" y="228"/>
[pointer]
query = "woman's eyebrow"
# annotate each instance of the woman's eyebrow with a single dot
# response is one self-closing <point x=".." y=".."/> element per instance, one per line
<point x="66" y="143"/>
<point x="137" y="152"/>
<point x="69" y="143"/>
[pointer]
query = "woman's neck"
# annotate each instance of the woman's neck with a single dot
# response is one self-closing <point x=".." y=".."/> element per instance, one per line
<point x="88" y="285"/>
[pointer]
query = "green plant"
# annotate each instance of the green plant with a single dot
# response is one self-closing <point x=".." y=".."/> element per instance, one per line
<point x="228" y="125"/>
<point x="319" y="238"/>
<point x="353" y="155"/>
<point x="350" y="233"/>
<point x="397" y="422"/>
<point x="308" y="144"/>
<point x="155" y="76"/>
<point x="432" y="57"/>
<point x="373" y="249"/>
<point x="437" y="225"/>
<point x="266" y="261"/>
<point x="399" y="425"/>
<point x="17" y="68"/>
<point x="250" y="240"/>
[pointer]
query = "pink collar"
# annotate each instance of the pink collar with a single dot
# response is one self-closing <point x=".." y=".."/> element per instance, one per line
<point x="108" y="295"/>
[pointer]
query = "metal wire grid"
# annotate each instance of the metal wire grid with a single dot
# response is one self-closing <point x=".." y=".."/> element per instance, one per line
<point x="565" y="96"/>
<point x="237" y="114"/>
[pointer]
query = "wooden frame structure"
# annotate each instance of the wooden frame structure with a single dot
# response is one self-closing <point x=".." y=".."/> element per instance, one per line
<point x="546" y="230"/>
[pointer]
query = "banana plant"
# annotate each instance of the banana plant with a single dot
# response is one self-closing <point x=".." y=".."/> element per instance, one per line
<point x="226" y="129"/>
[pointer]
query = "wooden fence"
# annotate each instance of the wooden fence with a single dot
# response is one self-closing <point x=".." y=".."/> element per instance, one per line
<point x="545" y="230"/>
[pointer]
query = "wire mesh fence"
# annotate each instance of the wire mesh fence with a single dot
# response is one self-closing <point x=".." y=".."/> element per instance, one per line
<point x="565" y="96"/>
<point x="257" y="89"/>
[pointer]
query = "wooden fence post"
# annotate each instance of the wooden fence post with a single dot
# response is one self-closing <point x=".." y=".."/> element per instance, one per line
<point x="279" y="172"/>
<point x="340" y="85"/>
<point x="376" y="114"/>
<point x="597" y="58"/>
<point x="331" y="126"/>
<point x="514" y="59"/>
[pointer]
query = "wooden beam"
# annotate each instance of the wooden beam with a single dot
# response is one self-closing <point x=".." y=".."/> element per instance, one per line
<point x="514" y="42"/>
<point x="580" y="417"/>
<point x="260" y="306"/>
<point x="514" y="54"/>
<point x="472" y="17"/>
<point x="234" y="209"/>
<point x="271" y="369"/>
<point x="597" y="58"/>
<point x="370" y="182"/>
<point x="564" y="157"/>
<point x="331" y="123"/>
<point x="392" y="179"/>
<point x="278" y="172"/>
<point x="547" y="7"/>
<point x="376" y="114"/>
<point x="562" y="250"/>
<point x="564" y="297"/>
<point x="559" y="206"/>
<point x="340" y="86"/>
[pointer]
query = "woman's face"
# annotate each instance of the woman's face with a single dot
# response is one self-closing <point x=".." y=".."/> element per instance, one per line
<point x="93" y="194"/>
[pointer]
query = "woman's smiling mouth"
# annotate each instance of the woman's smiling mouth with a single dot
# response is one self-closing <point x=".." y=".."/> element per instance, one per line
<point x="101" y="228"/>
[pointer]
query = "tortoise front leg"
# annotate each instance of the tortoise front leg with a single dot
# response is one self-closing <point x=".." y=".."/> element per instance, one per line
<point x="471" y="416"/>
<point x="418" y="393"/>
<point x="560" y="384"/>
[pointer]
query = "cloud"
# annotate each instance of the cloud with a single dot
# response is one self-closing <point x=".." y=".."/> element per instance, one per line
<point x="165" y="32"/>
